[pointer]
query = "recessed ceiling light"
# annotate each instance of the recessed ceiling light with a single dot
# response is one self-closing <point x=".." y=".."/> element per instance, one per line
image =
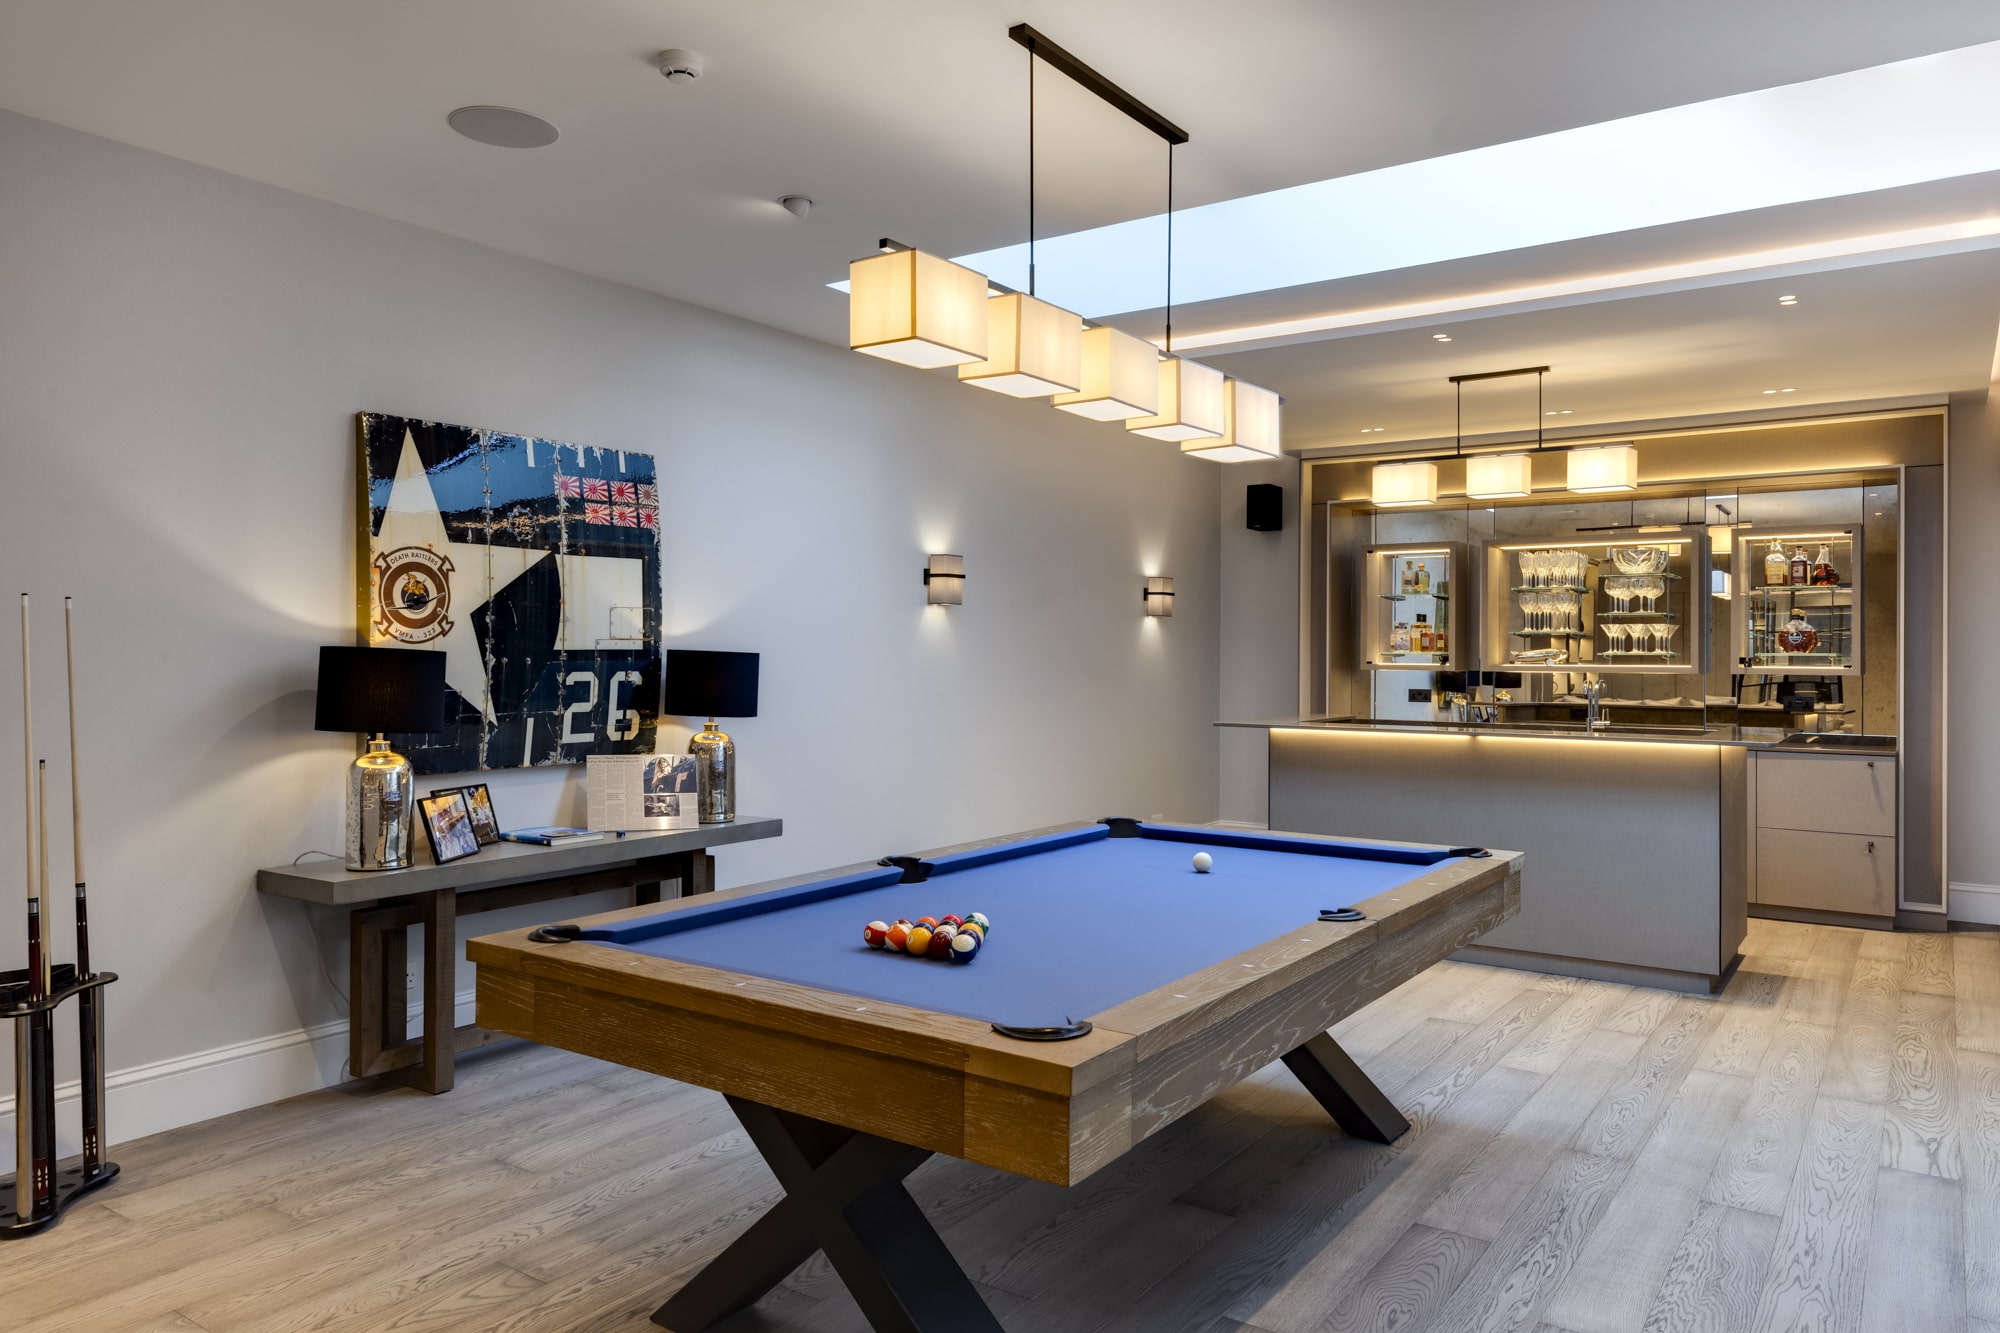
<point x="1441" y="337"/>
<point x="502" y="127"/>
<point x="797" y="205"/>
<point x="1788" y="300"/>
<point x="1781" y="391"/>
<point x="1559" y="412"/>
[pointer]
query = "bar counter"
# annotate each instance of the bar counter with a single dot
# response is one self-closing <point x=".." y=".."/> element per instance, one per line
<point x="1637" y="839"/>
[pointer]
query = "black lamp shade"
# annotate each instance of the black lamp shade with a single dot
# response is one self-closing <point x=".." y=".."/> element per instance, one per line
<point x="380" y="689"/>
<point x="706" y="684"/>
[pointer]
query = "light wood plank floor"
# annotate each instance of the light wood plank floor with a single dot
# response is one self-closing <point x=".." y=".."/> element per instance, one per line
<point x="1817" y="1148"/>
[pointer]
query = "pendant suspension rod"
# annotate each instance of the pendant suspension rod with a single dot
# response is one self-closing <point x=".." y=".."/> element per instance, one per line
<point x="1031" y="170"/>
<point x="1170" y="248"/>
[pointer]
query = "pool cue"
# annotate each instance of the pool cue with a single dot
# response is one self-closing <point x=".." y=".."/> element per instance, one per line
<point x="25" y="1194"/>
<point x="91" y="1032"/>
<point x="44" y="1025"/>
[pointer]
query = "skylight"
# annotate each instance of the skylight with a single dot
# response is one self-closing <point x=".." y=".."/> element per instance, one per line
<point x="1873" y="129"/>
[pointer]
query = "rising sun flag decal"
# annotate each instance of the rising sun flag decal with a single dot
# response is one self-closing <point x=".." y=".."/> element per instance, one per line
<point x="534" y="567"/>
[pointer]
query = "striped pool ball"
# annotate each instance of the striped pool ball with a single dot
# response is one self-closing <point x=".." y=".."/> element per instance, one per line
<point x="965" y="946"/>
<point x="898" y="937"/>
<point x="978" y="919"/>
<point x="951" y="919"/>
<point x="941" y="938"/>
<point x="919" y="941"/>
<point x="876" y="933"/>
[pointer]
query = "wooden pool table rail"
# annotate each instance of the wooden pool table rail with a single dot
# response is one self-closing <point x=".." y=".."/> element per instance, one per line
<point x="1055" y="1111"/>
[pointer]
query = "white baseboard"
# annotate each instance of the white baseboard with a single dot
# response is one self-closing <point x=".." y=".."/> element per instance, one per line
<point x="1977" y="903"/>
<point x="147" y="1099"/>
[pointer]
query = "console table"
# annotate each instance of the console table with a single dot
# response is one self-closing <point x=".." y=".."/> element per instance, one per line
<point x="384" y="904"/>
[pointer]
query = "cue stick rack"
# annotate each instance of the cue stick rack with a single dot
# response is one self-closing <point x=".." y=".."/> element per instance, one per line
<point x="42" y="1187"/>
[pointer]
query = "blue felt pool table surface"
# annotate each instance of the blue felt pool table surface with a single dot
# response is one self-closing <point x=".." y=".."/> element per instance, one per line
<point x="1082" y="921"/>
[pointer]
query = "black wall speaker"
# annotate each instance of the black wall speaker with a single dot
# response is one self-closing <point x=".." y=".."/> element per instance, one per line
<point x="1264" y="508"/>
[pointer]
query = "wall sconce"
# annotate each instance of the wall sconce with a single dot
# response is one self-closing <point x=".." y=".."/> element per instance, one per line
<point x="1159" y="597"/>
<point x="944" y="580"/>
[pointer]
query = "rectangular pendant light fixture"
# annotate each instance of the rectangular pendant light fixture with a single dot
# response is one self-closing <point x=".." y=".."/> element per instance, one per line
<point x="918" y="309"/>
<point x="1032" y="348"/>
<point x="1121" y="378"/>
<point x="1190" y="403"/>
<point x="1250" y="427"/>
<point x="1499" y="476"/>
<point x="1395" y="485"/>
<point x="1597" y="471"/>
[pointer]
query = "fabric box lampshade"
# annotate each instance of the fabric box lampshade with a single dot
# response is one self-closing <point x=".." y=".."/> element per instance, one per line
<point x="918" y="309"/>
<point x="1395" y="485"/>
<point x="1190" y="403"/>
<point x="1250" y="431"/>
<point x="372" y="691"/>
<point x="1121" y="378"/>
<point x="1499" y="476"/>
<point x="702" y="683"/>
<point x="1599" y="471"/>
<point x="1032" y="348"/>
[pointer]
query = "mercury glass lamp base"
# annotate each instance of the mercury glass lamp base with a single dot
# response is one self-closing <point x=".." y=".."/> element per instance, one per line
<point x="381" y="807"/>
<point x="715" y="772"/>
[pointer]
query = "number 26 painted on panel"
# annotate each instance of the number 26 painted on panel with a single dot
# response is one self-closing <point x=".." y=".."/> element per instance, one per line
<point x="623" y="723"/>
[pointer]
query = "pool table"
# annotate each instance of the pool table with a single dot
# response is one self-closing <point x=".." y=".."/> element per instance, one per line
<point x="1119" y="988"/>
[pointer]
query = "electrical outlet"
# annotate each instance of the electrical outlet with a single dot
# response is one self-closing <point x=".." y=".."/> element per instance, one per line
<point x="409" y="981"/>
<point x="1420" y="696"/>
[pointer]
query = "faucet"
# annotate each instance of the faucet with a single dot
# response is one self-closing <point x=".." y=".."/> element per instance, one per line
<point x="1458" y="704"/>
<point x="1593" y="715"/>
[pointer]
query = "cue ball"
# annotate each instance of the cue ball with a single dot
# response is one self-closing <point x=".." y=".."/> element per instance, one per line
<point x="1202" y="861"/>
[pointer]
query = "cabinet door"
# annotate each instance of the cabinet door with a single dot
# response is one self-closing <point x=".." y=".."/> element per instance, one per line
<point x="1826" y="795"/>
<point x="1826" y="872"/>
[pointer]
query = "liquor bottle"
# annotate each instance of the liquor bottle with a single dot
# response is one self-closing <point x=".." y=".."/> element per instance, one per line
<point x="1421" y="635"/>
<point x="1408" y="583"/>
<point x="1824" y="575"/>
<point x="1801" y="568"/>
<point x="1399" y="638"/>
<point x="1777" y="569"/>
<point x="1423" y="579"/>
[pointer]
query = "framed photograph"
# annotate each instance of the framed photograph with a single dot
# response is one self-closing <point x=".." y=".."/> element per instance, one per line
<point x="448" y="825"/>
<point x="485" y="824"/>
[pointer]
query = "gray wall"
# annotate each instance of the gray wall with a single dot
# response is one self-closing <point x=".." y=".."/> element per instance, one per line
<point x="183" y="352"/>
<point x="1260" y="631"/>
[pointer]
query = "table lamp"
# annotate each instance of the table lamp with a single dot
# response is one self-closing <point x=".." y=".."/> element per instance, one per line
<point x="374" y="690"/>
<point x="712" y="685"/>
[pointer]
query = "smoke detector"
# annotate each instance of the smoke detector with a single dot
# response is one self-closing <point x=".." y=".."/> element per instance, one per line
<point x="681" y="66"/>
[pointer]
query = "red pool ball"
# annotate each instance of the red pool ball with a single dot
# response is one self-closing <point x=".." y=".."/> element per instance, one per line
<point x="875" y="934"/>
<point x="940" y="945"/>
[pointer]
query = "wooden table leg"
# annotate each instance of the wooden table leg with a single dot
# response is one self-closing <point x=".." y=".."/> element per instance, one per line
<point x="377" y="1005"/>
<point x="440" y="922"/>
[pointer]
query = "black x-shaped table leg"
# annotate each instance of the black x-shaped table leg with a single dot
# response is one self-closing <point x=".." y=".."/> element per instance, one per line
<point x="843" y="1194"/>
<point x="1349" y="1096"/>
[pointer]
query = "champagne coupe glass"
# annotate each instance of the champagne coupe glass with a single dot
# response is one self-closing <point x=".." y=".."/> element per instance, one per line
<point x="1667" y="632"/>
<point x="1656" y="588"/>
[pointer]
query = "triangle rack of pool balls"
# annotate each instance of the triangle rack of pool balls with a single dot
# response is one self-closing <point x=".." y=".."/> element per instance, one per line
<point x="951" y="938"/>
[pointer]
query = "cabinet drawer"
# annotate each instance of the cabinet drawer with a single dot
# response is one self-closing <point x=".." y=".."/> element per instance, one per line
<point x="1828" y="872"/>
<point x="1826" y="795"/>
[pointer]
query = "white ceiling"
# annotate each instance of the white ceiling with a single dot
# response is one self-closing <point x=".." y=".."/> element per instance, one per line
<point x="1882" y="332"/>
<point x="907" y="118"/>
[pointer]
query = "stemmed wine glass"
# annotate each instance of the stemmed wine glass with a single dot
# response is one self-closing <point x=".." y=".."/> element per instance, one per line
<point x="1667" y="632"/>
<point x="1651" y="589"/>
